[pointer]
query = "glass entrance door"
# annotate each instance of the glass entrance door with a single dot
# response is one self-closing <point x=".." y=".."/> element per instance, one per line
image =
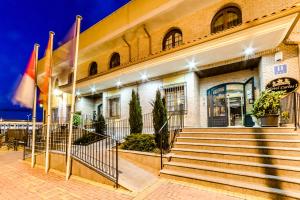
<point x="228" y="104"/>
<point x="235" y="111"/>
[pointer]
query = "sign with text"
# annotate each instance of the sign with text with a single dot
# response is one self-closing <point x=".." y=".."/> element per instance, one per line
<point x="285" y="84"/>
<point x="280" y="69"/>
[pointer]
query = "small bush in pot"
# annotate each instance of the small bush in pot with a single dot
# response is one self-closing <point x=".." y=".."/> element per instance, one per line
<point x="267" y="106"/>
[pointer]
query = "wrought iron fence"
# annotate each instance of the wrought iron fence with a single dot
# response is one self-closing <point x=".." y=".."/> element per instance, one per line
<point x="59" y="137"/>
<point x="117" y="129"/>
<point x="290" y="110"/>
<point x="40" y="140"/>
<point x="98" y="151"/>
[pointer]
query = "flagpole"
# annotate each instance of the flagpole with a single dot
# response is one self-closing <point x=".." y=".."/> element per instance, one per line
<point x="51" y="35"/>
<point x="36" y="51"/>
<point x="68" y="170"/>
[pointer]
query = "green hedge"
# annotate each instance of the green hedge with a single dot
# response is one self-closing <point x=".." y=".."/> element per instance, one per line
<point x="88" y="138"/>
<point x="139" y="142"/>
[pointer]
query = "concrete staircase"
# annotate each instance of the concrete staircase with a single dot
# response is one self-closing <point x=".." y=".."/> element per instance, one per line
<point x="260" y="162"/>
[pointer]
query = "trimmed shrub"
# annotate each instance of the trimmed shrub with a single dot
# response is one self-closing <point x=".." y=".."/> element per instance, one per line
<point x="88" y="138"/>
<point x="139" y="142"/>
<point x="135" y="114"/>
<point x="100" y="125"/>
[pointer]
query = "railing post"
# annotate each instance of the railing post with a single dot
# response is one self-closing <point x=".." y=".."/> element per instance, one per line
<point x="161" y="151"/>
<point x="181" y="116"/>
<point x="25" y="143"/>
<point x="117" y="164"/>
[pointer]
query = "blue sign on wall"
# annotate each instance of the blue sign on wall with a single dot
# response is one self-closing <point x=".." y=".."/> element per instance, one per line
<point x="280" y="69"/>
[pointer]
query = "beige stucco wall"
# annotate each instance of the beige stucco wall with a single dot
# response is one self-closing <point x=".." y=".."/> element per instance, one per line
<point x="290" y="58"/>
<point x="193" y="25"/>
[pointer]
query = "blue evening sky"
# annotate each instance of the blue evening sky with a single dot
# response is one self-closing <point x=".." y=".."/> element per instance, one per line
<point x="25" y="22"/>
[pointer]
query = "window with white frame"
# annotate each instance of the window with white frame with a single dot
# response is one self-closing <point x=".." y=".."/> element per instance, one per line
<point x="175" y="96"/>
<point x="114" y="108"/>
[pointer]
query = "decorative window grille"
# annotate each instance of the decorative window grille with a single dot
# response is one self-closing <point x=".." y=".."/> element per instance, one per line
<point x="54" y="115"/>
<point x="175" y="96"/>
<point x="114" y="108"/>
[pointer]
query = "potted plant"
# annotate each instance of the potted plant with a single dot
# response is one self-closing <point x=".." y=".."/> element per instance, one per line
<point x="266" y="108"/>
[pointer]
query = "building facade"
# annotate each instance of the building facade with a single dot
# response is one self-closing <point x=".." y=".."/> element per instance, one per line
<point x="211" y="57"/>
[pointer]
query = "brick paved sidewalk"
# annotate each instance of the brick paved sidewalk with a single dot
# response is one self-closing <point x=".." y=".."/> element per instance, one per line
<point x="19" y="181"/>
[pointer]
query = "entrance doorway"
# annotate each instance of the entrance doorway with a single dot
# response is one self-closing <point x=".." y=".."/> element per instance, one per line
<point x="228" y="103"/>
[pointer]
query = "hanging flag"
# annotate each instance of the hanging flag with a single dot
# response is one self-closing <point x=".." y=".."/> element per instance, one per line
<point x="44" y="87"/>
<point x="24" y="94"/>
<point x="68" y="45"/>
<point x="45" y="83"/>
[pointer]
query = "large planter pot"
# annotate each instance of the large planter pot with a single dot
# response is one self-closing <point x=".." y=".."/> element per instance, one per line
<point x="269" y="121"/>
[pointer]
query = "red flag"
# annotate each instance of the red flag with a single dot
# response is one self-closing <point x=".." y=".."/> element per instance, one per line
<point x="24" y="94"/>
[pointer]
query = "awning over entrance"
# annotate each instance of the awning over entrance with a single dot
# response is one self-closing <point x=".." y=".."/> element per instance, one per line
<point x="258" y="36"/>
<point x="233" y="67"/>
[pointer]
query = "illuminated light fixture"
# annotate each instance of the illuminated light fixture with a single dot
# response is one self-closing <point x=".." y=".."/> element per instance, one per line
<point x="119" y="83"/>
<point x="93" y="89"/>
<point x="57" y="92"/>
<point x="77" y="93"/>
<point x="41" y="105"/>
<point x="144" y="77"/>
<point x="249" y="51"/>
<point x="192" y="65"/>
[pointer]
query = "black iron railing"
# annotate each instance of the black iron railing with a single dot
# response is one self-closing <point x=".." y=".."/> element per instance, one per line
<point x="59" y="137"/>
<point x="290" y="110"/>
<point x="40" y="140"/>
<point x="98" y="151"/>
<point x="118" y="129"/>
<point x="175" y="123"/>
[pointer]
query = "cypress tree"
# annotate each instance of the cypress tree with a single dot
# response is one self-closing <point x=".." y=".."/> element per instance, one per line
<point x="135" y="114"/>
<point x="100" y="124"/>
<point x="159" y="118"/>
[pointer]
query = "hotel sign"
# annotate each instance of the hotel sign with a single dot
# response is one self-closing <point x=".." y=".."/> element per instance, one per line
<point x="280" y="69"/>
<point x="285" y="84"/>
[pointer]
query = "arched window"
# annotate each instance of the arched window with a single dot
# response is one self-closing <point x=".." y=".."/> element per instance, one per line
<point x="172" y="39"/>
<point x="93" y="69"/>
<point x="226" y="18"/>
<point x="114" y="60"/>
<point x="70" y="78"/>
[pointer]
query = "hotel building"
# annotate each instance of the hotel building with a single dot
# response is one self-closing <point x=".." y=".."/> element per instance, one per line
<point x="214" y="57"/>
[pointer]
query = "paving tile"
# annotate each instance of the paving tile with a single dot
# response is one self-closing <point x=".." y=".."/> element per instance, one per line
<point x="19" y="181"/>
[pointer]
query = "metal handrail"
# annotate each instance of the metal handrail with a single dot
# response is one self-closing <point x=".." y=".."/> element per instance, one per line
<point x="176" y="130"/>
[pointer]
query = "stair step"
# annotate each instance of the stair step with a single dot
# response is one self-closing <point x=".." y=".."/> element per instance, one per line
<point x="286" y="151"/>
<point x="241" y="135"/>
<point x="243" y="130"/>
<point x="251" y="177"/>
<point x="237" y="156"/>
<point x="239" y="141"/>
<point x="280" y="170"/>
<point x="226" y="184"/>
